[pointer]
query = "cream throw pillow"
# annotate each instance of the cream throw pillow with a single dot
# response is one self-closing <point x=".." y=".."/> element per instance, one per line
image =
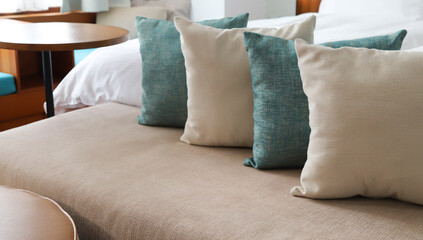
<point x="220" y="95"/>
<point x="366" y="119"/>
<point x="124" y="17"/>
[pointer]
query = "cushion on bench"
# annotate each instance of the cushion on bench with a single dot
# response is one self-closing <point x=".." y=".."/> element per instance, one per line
<point x="7" y="84"/>
<point x="121" y="180"/>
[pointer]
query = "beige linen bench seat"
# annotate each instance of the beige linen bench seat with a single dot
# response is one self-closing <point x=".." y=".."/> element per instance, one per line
<point x="120" y="180"/>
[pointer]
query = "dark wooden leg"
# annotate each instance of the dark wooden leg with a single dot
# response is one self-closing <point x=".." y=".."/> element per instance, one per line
<point x="48" y="82"/>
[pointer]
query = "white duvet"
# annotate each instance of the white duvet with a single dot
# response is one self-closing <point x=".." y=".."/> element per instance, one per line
<point x="335" y="27"/>
<point x="115" y="73"/>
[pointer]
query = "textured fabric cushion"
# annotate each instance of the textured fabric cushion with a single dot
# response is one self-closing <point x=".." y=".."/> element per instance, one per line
<point x="220" y="98"/>
<point x="119" y="180"/>
<point x="124" y="17"/>
<point x="281" y="125"/>
<point x="366" y="119"/>
<point x="164" y="94"/>
<point x="7" y="84"/>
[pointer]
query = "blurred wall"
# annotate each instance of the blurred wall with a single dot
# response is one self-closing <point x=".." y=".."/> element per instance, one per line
<point x="258" y="9"/>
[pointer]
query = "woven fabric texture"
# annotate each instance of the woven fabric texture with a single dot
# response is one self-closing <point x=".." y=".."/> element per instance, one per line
<point x="164" y="96"/>
<point x="281" y="125"/>
<point x="220" y="96"/>
<point x="119" y="180"/>
<point x="366" y="119"/>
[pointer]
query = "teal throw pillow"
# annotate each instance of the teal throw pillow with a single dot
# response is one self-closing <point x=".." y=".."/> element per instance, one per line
<point x="281" y="123"/>
<point x="164" y="95"/>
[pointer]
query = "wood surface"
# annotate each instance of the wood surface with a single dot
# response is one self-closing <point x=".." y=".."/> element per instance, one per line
<point x="304" y="6"/>
<point x="26" y="105"/>
<point x="76" y="17"/>
<point x="50" y="10"/>
<point x="17" y="122"/>
<point x="59" y="36"/>
<point x="9" y="64"/>
<point x="27" y="102"/>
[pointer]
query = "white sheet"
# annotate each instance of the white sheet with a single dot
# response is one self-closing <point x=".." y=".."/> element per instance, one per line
<point x="331" y="27"/>
<point x="113" y="74"/>
<point x="389" y="8"/>
<point x="418" y="49"/>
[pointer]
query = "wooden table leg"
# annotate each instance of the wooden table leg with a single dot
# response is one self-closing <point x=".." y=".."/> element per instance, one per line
<point x="48" y="82"/>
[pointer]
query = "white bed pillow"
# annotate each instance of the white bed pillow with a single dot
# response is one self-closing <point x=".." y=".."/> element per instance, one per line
<point x="109" y="74"/>
<point x="220" y="95"/>
<point x="391" y="8"/>
<point x="178" y="7"/>
<point x="124" y="17"/>
<point x="366" y="120"/>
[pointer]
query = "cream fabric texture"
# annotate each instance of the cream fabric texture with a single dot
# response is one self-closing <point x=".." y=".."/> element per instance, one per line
<point x="124" y="17"/>
<point x="366" y="119"/>
<point x="120" y="180"/>
<point x="220" y="95"/>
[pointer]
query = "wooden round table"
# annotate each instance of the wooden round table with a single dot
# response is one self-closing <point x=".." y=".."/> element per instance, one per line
<point x="26" y="215"/>
<point x="56" y="36"/>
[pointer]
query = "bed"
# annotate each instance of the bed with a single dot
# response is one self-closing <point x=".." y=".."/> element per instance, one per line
<point x="121" y="180"/>
<point x="99" y="79"/>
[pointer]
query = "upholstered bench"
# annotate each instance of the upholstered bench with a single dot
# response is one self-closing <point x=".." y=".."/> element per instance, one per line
<point x="26" y="215"/>
<point x="7" y="84"/>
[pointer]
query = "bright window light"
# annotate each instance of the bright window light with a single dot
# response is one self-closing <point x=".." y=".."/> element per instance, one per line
<point x="27" y="5"/>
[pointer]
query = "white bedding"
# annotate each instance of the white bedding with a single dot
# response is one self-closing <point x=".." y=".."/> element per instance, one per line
<point x="109" y="74"/>
<point x="389" y="8"/>
<point x="332" y="27"/>
<point x="113" y="74"/>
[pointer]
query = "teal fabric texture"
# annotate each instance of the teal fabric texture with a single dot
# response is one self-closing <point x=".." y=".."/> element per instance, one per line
<point x="7" y="84"/>
<point x="164" y="96"/>
<point x="281" y="124"/>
